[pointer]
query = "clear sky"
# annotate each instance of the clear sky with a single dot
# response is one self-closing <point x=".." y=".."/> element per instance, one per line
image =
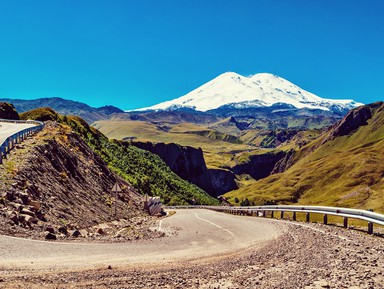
<point x="136" y="53"/>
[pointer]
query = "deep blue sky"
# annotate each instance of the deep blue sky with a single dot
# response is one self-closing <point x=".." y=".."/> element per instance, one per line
<point x="135" y="53"/>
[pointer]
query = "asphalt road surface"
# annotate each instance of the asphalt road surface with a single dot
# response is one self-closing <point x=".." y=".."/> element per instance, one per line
<point x="7" y="129"/>
<point x="199" y="234"/>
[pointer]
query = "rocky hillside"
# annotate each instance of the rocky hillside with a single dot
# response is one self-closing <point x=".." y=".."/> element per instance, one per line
<point x="343" y="167"/>
<point x="54" y="185"/>
<point x="145" y="171"/>
<point x="8" y="111"/>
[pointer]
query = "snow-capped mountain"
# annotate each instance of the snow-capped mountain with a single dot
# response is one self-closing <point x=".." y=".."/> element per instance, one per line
<point x="259" y="90"/>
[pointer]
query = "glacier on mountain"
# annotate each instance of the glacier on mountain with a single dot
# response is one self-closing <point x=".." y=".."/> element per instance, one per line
<point x="259" y="90"/>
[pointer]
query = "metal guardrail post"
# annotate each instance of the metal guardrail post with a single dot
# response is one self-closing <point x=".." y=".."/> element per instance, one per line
<point x="345" y="222"/>
<point x="325" y="219"/>
<point x="370" y="228"/>
<point x="294" y="216"/>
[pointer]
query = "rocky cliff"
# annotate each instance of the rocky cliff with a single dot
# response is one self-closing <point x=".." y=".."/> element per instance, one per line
<point x="259" y="166"/>
<point x="353" y="120"/>
<point x="222" y="180"/>
<point x="186" y="162"/>
<point x="7" y="111"/>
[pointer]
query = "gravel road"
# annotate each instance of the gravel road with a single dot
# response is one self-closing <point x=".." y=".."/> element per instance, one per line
<point x="279" y="255"/>
<point x="193" y="234"/>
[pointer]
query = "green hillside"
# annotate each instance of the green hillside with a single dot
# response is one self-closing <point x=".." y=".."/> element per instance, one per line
<point x="344" y="167"/>
<point x="145" y="171"/>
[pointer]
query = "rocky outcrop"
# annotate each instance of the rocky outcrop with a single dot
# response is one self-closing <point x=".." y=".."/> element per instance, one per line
<point x="186" y="162"/>
<point x="352" y="121"/>
<point x="284" y="163"/>
<point x="259" y="166"/>
<point x="8" y="111"/>
<point x="223" y="181"/>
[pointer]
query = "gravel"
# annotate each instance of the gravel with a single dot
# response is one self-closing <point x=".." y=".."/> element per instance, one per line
<point x="305" y="256"/>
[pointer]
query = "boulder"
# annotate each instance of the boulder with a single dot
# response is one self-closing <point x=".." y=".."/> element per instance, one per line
<point x="13" y="216"/>
<point x="25" y="198"/>
<point x="27" y="212"/>
<point x="63" y="230"/>
<point x="76" y="233"/>
<point x="50" y="236"/>
<point x="50" y="229"/>
<point x="11" y="196"/>
<point x="27" y="220"/>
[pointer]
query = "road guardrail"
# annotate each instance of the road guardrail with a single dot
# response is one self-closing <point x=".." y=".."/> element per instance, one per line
<point x="261" y="211"/>
<point x="16" y="138"/>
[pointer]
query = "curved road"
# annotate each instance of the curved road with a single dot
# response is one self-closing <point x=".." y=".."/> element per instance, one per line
<point x="200" y="234"/>
<point x="7" y="129"/>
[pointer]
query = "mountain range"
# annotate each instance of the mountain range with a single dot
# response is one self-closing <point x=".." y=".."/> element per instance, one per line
<point x="65" y="107"/>
<point x="260" y="90"/>
<point x="261" y="101"/>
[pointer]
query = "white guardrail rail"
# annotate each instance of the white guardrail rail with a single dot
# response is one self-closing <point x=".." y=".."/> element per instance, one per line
<point x="9" y="143"/>
<point x="261" y="211"/>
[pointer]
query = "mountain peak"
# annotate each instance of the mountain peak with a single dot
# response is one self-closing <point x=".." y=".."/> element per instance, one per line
<point x="258" y="90"/>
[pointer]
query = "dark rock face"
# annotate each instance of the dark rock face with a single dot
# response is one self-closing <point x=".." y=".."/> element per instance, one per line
<point x="186" y="162"/>
<point x="8" y="111"/>
<point x="352" y="121"/>
<point x="284" y="163"/>
<point x="223" y="181"/>
<point x="259" y="166"/>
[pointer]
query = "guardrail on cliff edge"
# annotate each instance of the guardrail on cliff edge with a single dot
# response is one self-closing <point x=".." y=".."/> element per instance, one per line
<point x="16" y="138"/>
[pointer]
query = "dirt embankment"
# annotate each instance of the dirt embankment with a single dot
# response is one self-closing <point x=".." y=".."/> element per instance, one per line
<point x="54" y="183"/>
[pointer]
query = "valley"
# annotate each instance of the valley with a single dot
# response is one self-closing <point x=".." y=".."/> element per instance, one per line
<point x="190" y="158"/>
<point x="192" y="144"/>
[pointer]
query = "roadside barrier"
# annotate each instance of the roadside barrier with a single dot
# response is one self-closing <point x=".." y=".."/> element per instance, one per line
<point x="261" y="211"/>
<point x="16" y="138"/>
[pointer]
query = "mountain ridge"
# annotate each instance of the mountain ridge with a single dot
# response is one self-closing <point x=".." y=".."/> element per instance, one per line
<point x="65" y="107"/>
<point x="259" y="90"/>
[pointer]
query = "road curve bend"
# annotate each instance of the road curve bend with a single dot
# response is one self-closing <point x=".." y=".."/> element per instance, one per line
<point x="199" y="234"/>
<point x="9" y="128"/>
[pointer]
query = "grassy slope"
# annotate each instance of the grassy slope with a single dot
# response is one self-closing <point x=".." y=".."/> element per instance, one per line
<point x="145" y="171"/>
<point x="347" y="171"/>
